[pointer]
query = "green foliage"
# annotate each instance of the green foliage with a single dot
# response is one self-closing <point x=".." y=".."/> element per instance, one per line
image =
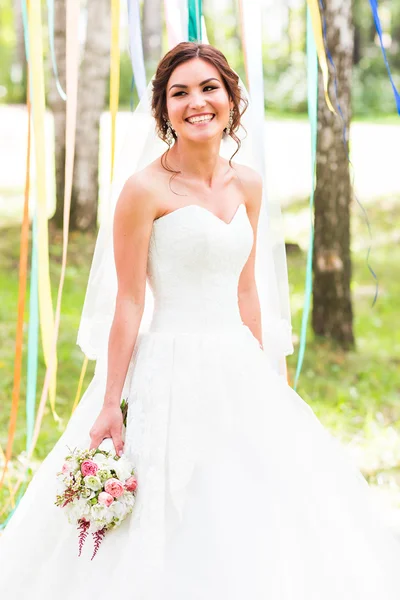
<point x="372" y="91"/>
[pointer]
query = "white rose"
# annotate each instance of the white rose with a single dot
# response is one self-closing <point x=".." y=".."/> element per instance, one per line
<point x="98" y="514"/>
<point x="128" y="499"/>
<point x="92" y="482"/>
<point x="100" y="459"/>
<point x="77" y="509"/>
<point x="123" y="468"/>
<point x="118" y="509"/>
<point x="74" y="465"/>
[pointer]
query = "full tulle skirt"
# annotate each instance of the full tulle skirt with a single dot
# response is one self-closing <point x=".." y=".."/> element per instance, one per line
<point x="242" y="492"/>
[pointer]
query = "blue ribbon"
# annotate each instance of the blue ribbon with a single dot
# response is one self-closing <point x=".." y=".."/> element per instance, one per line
<point x="375" y="13"/>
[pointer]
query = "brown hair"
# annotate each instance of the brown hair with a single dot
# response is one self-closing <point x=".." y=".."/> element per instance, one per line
<point x="179" y="54"/>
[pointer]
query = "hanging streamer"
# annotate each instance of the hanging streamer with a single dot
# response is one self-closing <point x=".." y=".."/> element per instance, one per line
<point x="346" y="147"/>
<point x="80" y="384"/>
<point x="33" y="328"/>
<point x="33" y="339"/>
<point x="50" y="22"/>
<point x="319" y="44"/>
<point x="23" y="268"/>
<point x="312" y="70"/>
<point x="9" y="483"/>
<point x="375" y="13"/>
<point x="194" y="14"/>
<point x="72" y="56"/>
<point x="38" y="111"/>
<point x="38" y="97"/>
<point x="136" y="47"/>
<point x="114" y="75"/>
<point x="177" y="21"/>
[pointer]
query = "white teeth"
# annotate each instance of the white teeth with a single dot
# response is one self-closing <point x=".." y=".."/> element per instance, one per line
<point x="200" y="119"/>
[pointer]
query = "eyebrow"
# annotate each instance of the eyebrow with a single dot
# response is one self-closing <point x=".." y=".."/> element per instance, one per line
<point x="181" y="85"/>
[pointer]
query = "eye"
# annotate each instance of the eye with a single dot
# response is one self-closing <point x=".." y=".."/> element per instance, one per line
<point x="211" y="87"/>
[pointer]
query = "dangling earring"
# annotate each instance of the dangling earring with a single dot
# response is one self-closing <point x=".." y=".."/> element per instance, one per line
<point x="169" y="135"/>
<point x="229" y="126"/>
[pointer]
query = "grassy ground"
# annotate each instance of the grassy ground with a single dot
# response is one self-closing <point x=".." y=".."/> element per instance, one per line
<point x="355" y="394"/>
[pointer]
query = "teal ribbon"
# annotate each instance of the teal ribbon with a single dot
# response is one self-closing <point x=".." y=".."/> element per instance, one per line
<point x="195" y="12"/>
<point x="312" y="77"/>
<point x="50" y="22"/>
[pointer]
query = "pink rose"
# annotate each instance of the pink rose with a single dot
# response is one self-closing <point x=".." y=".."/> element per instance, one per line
<point x="105" y="498"/>
<point x="66" y="468"/>
<point x="114" y="487"/>
<point x="88" y="467"/>
<point x="131" y="484"/>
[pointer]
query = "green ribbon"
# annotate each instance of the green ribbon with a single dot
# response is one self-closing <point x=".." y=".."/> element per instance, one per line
<point x="195" y="11"/>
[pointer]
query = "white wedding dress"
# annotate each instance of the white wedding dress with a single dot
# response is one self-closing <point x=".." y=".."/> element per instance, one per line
<point x="243" y="494"/>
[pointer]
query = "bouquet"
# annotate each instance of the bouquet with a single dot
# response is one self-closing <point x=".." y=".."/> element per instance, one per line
<point x="98" y="490"/>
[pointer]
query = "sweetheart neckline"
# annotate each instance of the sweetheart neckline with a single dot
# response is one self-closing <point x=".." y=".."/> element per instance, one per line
<point x="201" y="208"/>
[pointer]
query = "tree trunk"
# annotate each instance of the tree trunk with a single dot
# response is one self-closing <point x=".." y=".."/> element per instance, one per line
<point x="57" y="106"/>
<point x="91" y="99"/>
<point x="332" y="307"/>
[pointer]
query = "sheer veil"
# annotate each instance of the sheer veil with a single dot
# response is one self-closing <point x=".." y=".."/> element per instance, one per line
<point x="140" y="147"/>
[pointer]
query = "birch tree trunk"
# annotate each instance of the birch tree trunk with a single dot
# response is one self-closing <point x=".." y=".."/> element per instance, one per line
<point x="93" y="81"/>
<point x="332" y="315"/>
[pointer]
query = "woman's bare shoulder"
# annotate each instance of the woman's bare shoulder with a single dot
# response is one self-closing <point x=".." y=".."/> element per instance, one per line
<point x="144" y="187"/>
<point x="247" y="175"/>
<point x="251" y="183"/>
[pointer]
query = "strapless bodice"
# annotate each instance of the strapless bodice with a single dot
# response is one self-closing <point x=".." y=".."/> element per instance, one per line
<point x="194" y="264"/>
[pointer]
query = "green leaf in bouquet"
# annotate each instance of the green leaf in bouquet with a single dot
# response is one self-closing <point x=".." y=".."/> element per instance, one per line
<point x="124" y="409"/>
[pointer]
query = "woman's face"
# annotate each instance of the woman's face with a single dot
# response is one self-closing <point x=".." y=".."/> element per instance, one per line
<point x="197" y="102"/>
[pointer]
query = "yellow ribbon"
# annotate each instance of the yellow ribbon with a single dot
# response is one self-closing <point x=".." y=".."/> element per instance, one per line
<point x="319" y="42"/>
<point x="9" y="484"/>
<point x="38" y="103"/>
<point x="72" y="18"/>
<point x="114" y="74"/>
<point x="80" y="384"/>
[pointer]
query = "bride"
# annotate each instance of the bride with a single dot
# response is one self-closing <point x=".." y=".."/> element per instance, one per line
<point x="242" y="492"/>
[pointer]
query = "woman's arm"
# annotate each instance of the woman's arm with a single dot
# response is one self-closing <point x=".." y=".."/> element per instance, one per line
<point x="133" y="220"/>
<point x="134" y="215"/>
<point x="249" y="303"/>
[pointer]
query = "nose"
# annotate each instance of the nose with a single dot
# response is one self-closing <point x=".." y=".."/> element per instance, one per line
<point x="197" y="100"/>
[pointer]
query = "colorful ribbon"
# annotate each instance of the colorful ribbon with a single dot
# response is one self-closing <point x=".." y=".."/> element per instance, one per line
<point x="346" y="148"/>
<point x="136" y="47"/>
<point x="114" y="74"/>
<point x="177" y="21"/>
<point x="50" y="24"/>
<point x="195" y="12"/>
<point x="312" y="70"/>
<point x="38" y="111"/>
<point x="375" y="13"/>
<point x="319" y="44"/>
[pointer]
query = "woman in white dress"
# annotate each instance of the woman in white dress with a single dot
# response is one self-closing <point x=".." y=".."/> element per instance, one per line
<point x="242" y="492"/>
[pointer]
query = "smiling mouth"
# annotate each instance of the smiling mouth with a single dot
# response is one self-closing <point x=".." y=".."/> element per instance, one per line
<point x="201" y="121"/>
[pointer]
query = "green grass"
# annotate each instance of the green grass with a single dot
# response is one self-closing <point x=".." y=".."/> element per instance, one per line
<point x="355" y="394"/>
